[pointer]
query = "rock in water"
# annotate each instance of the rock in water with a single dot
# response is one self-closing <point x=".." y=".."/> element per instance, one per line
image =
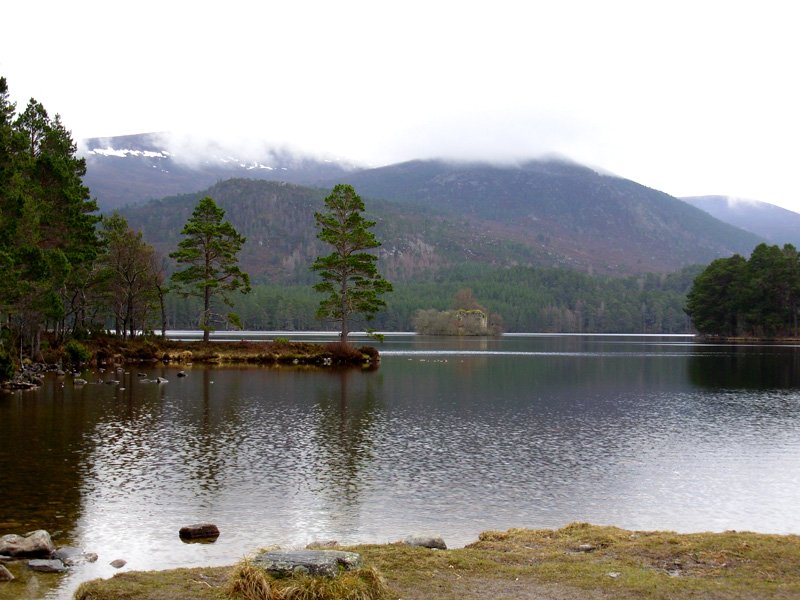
<point x="47" y="566"/>
<point x="74" y="556"/>
<point x="118" y="563"/>
<point x="426" y="541"/>
<point x="199" y="531"/>
<point x="312" y="562"/>
<point x="5" y="574"/>
<point x="34" y="544"/>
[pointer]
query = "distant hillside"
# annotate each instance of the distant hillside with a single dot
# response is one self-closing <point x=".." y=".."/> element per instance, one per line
<point x="131" y="169"/>
<point x="422" y="238"/>
<point x="773" y="223"/>
<point x="573" y="214"/>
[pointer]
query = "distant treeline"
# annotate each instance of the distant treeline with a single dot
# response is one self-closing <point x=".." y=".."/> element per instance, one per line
<point x="527" y="299"/>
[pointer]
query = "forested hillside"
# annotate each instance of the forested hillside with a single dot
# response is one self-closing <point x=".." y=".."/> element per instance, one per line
<point x="584" y="218"/>
<point x="429" y="252"/>
<point x="278" y="221"/>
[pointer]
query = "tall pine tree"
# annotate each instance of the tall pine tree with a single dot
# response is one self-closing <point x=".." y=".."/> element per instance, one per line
<point x="350" y="278"/>
<point x="209" y="249"/>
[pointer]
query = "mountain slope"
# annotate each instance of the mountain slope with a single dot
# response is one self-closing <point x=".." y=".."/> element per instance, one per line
<point x="596" y="221"/>
<point x="773" y="223"/>
<point x="129" y="170"/>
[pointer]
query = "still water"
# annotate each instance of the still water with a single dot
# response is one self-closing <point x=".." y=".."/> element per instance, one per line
<point x="453" y="436"/>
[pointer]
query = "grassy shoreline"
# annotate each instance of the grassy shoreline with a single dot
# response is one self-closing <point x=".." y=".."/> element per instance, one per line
<point x="576" y="562"/>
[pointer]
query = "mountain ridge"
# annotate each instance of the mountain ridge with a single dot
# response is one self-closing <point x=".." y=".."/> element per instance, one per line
<point x="431" y="214"/>
<point x="773" y="223"/>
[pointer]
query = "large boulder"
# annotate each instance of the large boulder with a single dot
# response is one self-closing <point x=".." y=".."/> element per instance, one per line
<point x="34" y="544"/>
<point x="327" y="563"/>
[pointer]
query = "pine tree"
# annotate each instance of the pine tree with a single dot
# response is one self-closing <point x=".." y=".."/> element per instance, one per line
<point x="350" y="277"/>
<point x="209" y="248"/>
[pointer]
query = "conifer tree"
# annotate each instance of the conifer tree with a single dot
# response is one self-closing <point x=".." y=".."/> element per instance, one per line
<point x="350" y="277"/>
<point x="209" y="249"/>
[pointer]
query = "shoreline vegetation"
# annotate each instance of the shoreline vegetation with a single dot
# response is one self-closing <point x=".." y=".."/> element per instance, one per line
<point x="106" y="350"/>
<point x="279" y="351"/>
<point x="578" y="561"/>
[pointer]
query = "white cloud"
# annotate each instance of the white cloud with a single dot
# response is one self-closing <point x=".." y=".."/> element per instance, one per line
<point x="689" y="97"/>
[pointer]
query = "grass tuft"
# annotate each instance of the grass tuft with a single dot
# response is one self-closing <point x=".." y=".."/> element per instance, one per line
<point x="250" y="582"/>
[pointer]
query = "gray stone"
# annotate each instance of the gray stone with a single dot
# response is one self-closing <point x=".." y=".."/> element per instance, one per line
<point x="118" y="563"/>
<point x="47" y="566"/>
<point x="5" y="574"/>
<point x="313" y="562"/>
<point x="426" y="541"/>
<point x="34" y="544"/>
<point x="322" y="545"/>
<point x="74" y="556"/>
<point x="199" y="530"/>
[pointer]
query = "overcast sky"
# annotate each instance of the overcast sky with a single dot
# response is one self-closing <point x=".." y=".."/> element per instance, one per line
<point x="689" y="97"/>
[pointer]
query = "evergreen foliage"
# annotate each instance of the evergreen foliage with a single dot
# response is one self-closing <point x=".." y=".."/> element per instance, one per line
<point x="756" y="297"/>
<point x="48" y="239"/>
<point x="349" y="276"/>
<point x="209" y="250"/>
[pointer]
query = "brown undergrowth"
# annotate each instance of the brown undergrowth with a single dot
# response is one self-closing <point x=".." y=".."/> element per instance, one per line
<point x="108" y="349"/>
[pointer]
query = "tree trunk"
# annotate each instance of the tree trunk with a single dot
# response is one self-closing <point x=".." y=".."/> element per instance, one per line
<point x="206" y="313"/>
<point x="163" y="311"/>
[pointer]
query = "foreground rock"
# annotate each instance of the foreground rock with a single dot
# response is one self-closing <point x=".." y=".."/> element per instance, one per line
<point x="34" y="544"/>
<point x="325" y="563"/>
<point x="426" y="541"/>
<point x="198" y="531"/>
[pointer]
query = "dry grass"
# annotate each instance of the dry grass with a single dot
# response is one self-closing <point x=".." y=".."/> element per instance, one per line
<point x="250" y="582"/>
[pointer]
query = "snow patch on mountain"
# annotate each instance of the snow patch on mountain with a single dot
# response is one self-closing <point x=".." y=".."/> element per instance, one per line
<point x="122" y="153"/>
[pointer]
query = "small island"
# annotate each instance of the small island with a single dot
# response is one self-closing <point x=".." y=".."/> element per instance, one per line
<point x="467" y="318"/>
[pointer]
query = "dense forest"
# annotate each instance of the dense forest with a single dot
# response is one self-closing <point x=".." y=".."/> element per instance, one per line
<point x="525" y="298"/>
<point x="755" y="297"/>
